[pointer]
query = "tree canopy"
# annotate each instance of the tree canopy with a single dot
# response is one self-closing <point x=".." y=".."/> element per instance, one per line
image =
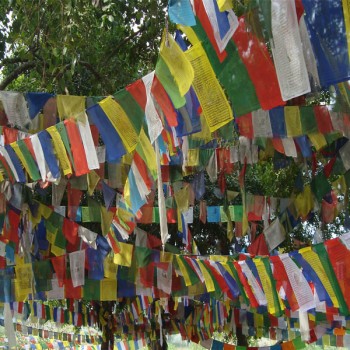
<point x="84" y="47"/>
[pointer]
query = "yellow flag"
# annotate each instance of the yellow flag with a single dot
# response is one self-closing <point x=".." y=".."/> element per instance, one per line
<point x="184" y="272"/>
<point x="21" y="157"/>
<point x="179" y="220"/>
<point x="318" y="140"/>
<point x="60" y="150"/>
<point x="92" y="179"/>
<point x="51" y="236"/>
<point x="196" y="289"/>
<point x="225" y="5"/>
<point x="166" y="257"/>
<point x="207" y="278"/>
<point x="44" y="210"/>
<point x="192" y="157"/>
<point x="292" y="119"/>
<point x="215" y="106"/>
<point x="147" y="153"/>
<point x="182" y="198"/>
<point x="219" y="258"/>
<point x="204" y="134"/>
<point x="314" y="260"/>
<point x="127" y="193"/>
<point x="304" y="202"/>
<point x="124" y="257"/>
<point x="180" y="68"/>
<point x="70" y="106"/>
<point x="110" y="269"/>
<point x="57" y="251"/>
<point x="120" y="122"/>
<point x="106" y="219"/>
<point x="346" y="11"/>
<point x="23" y="281"/>
<point x="267" y="286"/>
<point x="108" y="290"/>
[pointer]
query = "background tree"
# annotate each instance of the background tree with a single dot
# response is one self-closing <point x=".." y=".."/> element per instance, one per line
<point x="84" y="47"/>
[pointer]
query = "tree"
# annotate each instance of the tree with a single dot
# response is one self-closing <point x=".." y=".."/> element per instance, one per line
<point x="75" y="46"/>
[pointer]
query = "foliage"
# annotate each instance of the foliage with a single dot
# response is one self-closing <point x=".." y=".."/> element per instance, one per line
<point x="83" y="47"/>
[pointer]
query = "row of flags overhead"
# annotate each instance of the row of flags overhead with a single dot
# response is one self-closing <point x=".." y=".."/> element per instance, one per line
<point x="194" y="92"/>
<point x="95" y="275"/>
<point x="203" y="318"/>
<point x="292" y="121"/>
<point x="304" y="56"/>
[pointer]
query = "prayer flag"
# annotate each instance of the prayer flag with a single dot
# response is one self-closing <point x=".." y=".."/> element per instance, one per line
<point x="120" y="122"/>
<point x="287" y="50"/>
<point x="77" y="264"/>
<point x="328" y="43"/>
<point x="114" y="145"/>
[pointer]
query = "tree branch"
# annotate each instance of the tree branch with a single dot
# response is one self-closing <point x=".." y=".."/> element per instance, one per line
<point x="97" y="74"/>
<point x="16" y="73"/>
<point x="123" y="42"/>
<point x="14" y="60"/>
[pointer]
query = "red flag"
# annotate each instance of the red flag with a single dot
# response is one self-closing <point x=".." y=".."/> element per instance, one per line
<point x="245" y="125"/>
<point x="138" y="92"/>
<point x="70" y="230"/>
<point x="78" y="151"/>
<point x="282" y="280"/>
<point x="323" y="119"/>
<point x="164" y="102"/>
<point x="259" y="66"/>
<point x="59" y="265"/>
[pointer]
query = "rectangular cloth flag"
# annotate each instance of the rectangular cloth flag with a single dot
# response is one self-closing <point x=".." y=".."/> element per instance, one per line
<point x="287" y="50"/>
<point x="120" y="122"/>
<point x="215" y="107"/>
<point x="114" y="145"/>
<point x="329" y="41"/>
<point x="77" y="267"/>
